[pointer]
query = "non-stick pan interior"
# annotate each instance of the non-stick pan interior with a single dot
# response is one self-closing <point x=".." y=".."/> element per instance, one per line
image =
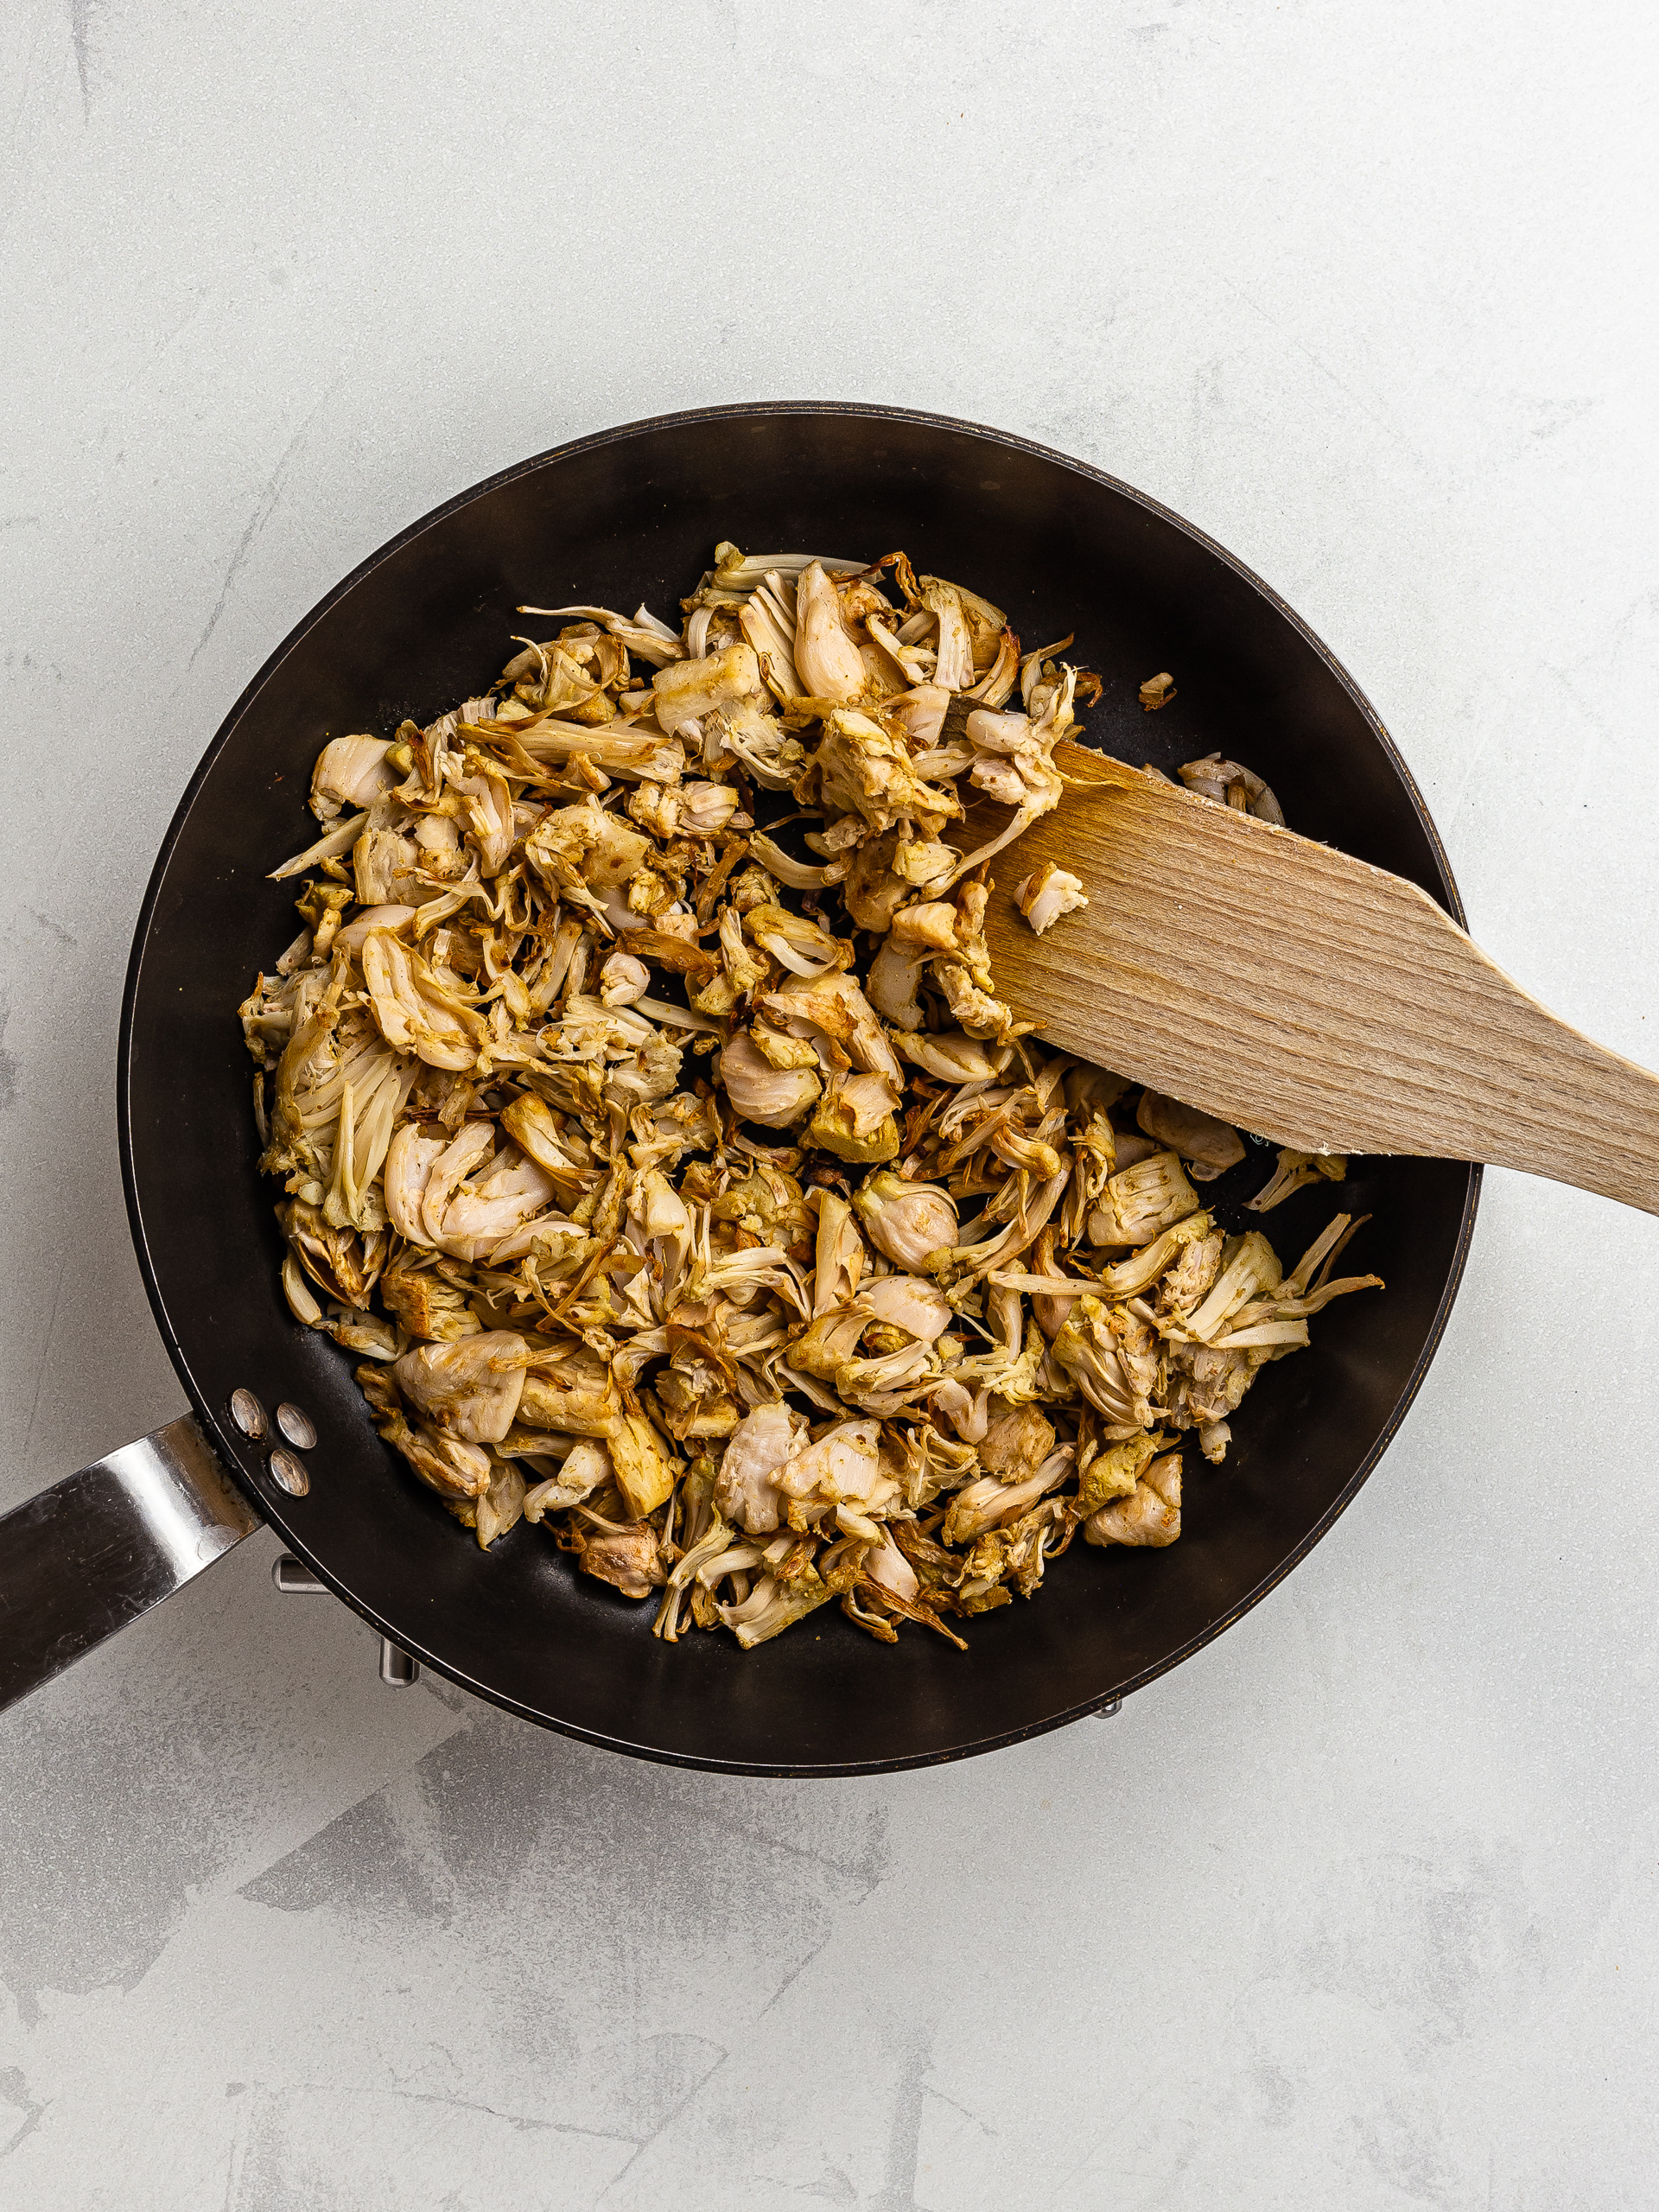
<point x="634" y="516"/>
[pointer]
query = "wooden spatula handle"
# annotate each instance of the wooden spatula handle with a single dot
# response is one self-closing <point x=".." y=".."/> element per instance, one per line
<point x="1305" y="996"/>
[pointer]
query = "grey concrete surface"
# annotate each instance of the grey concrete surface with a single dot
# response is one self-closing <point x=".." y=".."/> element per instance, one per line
<point x="1357" y="1908"/>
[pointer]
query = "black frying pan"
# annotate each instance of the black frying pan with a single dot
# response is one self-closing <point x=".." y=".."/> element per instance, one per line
<point x="631" y="514"/>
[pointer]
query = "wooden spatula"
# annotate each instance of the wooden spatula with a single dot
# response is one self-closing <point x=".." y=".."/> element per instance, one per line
<point x="1301" y="994"/>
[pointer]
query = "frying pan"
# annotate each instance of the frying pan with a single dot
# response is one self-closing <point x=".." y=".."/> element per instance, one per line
<point x="633" y="513"/>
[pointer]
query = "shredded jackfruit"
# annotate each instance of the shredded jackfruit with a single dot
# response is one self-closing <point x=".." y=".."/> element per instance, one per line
<point x="687" y="1192"/>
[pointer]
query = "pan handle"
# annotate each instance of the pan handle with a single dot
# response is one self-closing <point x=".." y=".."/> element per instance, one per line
<point x="90" y="1554"/>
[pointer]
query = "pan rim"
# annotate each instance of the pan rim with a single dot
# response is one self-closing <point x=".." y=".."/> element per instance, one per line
<point x="211" y="1417"/>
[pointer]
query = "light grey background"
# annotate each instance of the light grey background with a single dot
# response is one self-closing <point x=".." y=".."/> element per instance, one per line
<point x="1357" y="1907"/>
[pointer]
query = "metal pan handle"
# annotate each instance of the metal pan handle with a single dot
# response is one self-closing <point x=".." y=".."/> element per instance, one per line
<point x="95" y="1551"/>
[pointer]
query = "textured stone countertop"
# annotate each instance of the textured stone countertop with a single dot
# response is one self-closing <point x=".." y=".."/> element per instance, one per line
<point x="1357" y="1908"/>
